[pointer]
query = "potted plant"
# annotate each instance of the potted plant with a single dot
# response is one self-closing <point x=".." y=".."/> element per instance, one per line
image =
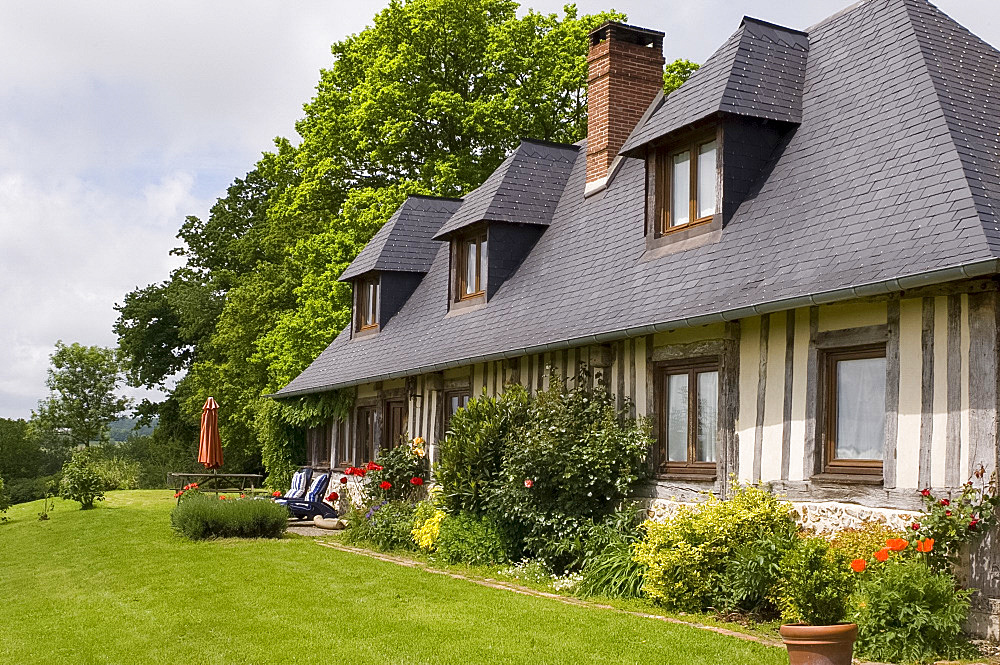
<point x="815" y="585"/>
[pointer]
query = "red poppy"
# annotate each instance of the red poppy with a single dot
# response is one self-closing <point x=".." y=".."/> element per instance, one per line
<point x="925" y="545"/>
<point x="332" y="496"/>
<point x="188" y="486"/>
<point x="222" y="497"/>
<point x="370" y="466"/>
<point x="858" y="565"/>
<point x="178" y="494"/>
<point x="416" y="480"/>
<point x="882" y="555"/>
<point x="343" y="480"/>
<point x="945" y="502"/>
<point x="194" y="486"/>
<point x="243" y="496"/>
<point x="915" y="526"/>
<point x="529" y="483"/>
<point x="378" y="467"/>
<point x="947" y="513"/>
<point x="896" y="544"/>
<point x="925" y="492"/>
<point x="275" y="493"/>
<point x="973" y="525"/>
<point x="385" y="484"/>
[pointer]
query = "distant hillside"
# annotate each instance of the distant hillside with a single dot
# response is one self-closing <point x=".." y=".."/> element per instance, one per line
<point x="122" y="428"/>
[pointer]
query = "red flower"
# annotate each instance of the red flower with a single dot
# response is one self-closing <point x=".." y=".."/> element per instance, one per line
<point x="945" y="502"/>
<point x="925" y="545"/>
<point x="194" y="486"/>
<point x="529" y="483"/>
<point x="188" y="486"/>
<point x="343" y="480"/>
<point x="378" y="467"/>
<point x="973" y="525"/>
<point x="332" y="496"/>
<point x="178" y="494"/>
<point x="896" y="544"/>
<point x="222" y="497"/>
<point x="370" y="466"/>
<point x="858" y="565"/>
<point x="925" y="492"/>
<point x="915" y="526"/>
<point x="243" y="496"/>
<point x="947" y="513"/>
<point x="385" y="484"/>
<point x="882" y="555"/>
<point x="275" y="493"/>
<point x="416" y="480"/>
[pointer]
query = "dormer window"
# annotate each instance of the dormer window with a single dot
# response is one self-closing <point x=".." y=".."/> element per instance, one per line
<point x="470" y="272"/>
<point x="367" y="304"/>
<point x="686" y="182"/>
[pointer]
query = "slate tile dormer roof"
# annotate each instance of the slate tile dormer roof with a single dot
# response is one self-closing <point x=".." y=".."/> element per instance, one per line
<point x="405" y="243"/>
<point x="524" y="189"/>
<point x="759" y="72"/>
<point x="891" y="179"/>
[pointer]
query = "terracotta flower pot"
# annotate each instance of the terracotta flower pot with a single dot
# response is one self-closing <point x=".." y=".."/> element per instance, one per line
<point x="820" y="645"/>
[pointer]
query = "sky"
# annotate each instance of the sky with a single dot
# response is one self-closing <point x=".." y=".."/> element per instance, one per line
<point x="120" y="118"/>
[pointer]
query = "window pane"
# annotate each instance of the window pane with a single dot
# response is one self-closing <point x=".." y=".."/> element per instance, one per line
<point x="482" y="264"/>
<point x="708" y="415"/>
<point x="860" y="408"/>
<point x="677" y="417"/>
<point x="706" y="180"/>
<point x="372" y="302"/>
<point x="680" y="189"/>
<point x="471" y="261"/>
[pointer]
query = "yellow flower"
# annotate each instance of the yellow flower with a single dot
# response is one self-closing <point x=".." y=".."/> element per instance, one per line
<point x="419" y="452"/>
<point x="418" y="442"/>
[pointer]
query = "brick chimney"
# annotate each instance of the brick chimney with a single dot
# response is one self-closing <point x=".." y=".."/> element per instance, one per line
<point x="625" y="73"/>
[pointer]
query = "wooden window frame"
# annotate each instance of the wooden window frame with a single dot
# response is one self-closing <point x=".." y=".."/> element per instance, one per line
<point x="461" y="258"/>
<point x="448" y="395"/>
<point x="388" y="441"/>
<point x="364" y="306"/>
<point x="832" y="464"/>
<point x="691" y="367"/>
<point x="663" y="194"/>
<point x="365" y="435"/>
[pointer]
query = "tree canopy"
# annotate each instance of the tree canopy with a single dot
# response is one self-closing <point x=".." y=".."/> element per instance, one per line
<point x="428" y="99"/>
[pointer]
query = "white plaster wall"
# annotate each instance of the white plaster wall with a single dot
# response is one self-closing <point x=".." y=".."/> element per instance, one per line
<point x="910" y="368"/>
<point x="853" y="314"/>
<point x="746" y="422"/>
<point x="774" y="399"/>
<point x="800" y="364"/>
<point x="939" y="452"/>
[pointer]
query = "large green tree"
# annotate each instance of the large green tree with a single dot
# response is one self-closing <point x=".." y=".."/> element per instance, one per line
<point x="83" y="399"/>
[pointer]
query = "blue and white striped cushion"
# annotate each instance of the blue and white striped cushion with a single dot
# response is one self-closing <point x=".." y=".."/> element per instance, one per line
<point x="317" y="488"/>
<point x="298" y="489"/>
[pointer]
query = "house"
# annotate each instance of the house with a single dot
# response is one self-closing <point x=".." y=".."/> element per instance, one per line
<point x="790" y="264"/>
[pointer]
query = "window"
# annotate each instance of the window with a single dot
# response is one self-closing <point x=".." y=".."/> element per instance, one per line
<point x="367" y="307"/>
<point x="319" y="439"/>
<point x="685" y="186"/>
<point x="688" y="401"/>
<point x="854" y="405"/>
<point x="395" y="423"/>
<point x="470" y="267"/>
<point x="365" y="449"/>
<point x="453" y="401"/>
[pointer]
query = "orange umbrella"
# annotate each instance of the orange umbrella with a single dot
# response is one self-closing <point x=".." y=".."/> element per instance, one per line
<point x="210" y="445"/>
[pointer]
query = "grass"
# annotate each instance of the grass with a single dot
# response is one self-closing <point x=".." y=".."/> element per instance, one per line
<point x="115" y="585"/>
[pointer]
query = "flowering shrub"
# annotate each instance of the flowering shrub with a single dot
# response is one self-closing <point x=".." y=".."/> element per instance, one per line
<point x="574" y="461"/>
<point x="466" y="538"/>
<point x="387" y="525"/>
<point x="391" y="476"/>
<point x="816" y="582"/>
<point x="199" y="516"/>
<point x="863" y="541"/>
<point x="687" y="556"/>
<point x="427" y="525"/>
<point x="81" y="480"/>
<point x="907" y="612"/>
<point x="953" y="522"/>
<point x="472" y="451"/>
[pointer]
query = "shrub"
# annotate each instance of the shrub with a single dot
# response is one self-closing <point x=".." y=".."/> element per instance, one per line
<point x="687" y="556"/>
<point x="4" y="501"/>
<point x="610" y="568"/>
<point x="466" y="538"/>
<point x="471" y="454"/>
<point x="81" y="480"/>
<point x="907" y="612"/>
<point x="753" y="573"/>
<point x="954" y="521"/>
<point x="398" y="474"/>
<point x="815" y="583"/>
<point x="200" y="516"/>
<point x="386" y="526"/>
<point x="22" y="490"/>
<point x="117" y="472"/>
<point x="864" y="541"/>
<point x="427" y="525"/>
<point x="574" y="461"/>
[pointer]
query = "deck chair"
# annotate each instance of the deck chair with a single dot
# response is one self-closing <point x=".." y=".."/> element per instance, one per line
<point x="298" y="489"/>
<point x="312" y="503"/>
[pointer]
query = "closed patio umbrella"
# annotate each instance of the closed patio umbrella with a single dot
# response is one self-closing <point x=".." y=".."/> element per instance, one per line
<point x="210" y="445"/>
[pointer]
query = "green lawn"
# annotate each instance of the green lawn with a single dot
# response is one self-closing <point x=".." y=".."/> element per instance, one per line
<point x="115" y="585"/>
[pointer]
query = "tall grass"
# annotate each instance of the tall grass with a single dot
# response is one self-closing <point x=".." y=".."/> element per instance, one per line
<point x="201" y="516"/>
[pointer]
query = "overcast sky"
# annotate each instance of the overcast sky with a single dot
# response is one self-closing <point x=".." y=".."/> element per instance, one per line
<point x="117" y="119"/>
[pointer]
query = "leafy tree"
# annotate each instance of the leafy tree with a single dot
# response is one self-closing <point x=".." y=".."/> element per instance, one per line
<point x="675" y="73"/>
<point x="83" y="382"/>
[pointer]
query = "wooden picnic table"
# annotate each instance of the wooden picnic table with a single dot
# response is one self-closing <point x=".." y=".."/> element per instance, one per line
<point x="213" y="482"/>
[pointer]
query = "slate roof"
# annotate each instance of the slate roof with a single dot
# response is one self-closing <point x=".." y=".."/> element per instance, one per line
<point x="404" y="243"/>
<point x="890" y="179"/>
<point x="524" y="189"/>
<point x="759" y="72"/>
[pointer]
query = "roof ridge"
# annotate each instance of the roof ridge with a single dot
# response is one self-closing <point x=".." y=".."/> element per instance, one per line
<point x="552" y="144"/>
<point x="773" y="25"/>
<point x="433" y="197"/>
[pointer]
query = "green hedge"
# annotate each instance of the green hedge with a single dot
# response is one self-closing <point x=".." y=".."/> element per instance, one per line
<point x="201" y="516"/>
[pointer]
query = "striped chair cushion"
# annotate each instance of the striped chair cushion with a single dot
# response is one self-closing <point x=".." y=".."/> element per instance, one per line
<point x="317" y="488"/>
<point x="298" y="489"/>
